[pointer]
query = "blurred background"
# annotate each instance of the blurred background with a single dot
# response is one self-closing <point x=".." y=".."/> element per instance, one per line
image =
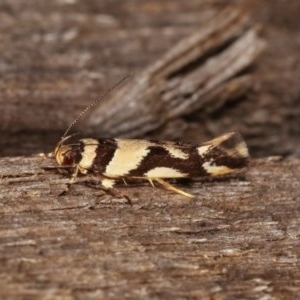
<point x="58" y="56"/>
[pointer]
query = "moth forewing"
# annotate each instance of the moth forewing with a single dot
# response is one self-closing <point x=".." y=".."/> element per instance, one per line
<point x="120" y="159"/>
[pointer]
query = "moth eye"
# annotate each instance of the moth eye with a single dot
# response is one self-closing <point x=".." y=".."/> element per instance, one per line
<point x="64" y="155"/>
<point x="68" y="158"/>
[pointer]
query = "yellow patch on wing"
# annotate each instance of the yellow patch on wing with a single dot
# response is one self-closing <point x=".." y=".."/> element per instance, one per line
<point x="216" y="170"/>
<point x="164" y="172"/>
<point x="203" y="149"/>
<point x="127" y="157"/>
<point x="108" y="183"/>
<point x="242" y="149"/>
<point x="89" y="153"/>
<point x="175" y="152"/>
<point x="221" y="138"/>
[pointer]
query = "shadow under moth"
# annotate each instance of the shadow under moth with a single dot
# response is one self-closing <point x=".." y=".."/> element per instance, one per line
<point x="111" y="160"/>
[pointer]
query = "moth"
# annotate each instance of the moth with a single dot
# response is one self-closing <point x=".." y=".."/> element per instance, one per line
<point x="111" y="160"/>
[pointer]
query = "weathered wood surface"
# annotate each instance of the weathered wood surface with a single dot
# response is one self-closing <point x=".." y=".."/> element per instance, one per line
<point x="239" y="239"/>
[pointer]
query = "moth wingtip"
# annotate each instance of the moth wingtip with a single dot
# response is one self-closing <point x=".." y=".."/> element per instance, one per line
<point x="237" y="143"/>
<point x="233" y="143"/>
<point x="224" y="154"/>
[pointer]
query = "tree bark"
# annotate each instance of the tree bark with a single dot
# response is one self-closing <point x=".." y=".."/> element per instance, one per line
<point x="190" y="77"/>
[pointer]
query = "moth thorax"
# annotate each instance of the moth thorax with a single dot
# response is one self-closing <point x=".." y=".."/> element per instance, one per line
<point x="64" y="155"/>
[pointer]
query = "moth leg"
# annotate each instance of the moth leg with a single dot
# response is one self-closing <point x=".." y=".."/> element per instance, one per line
<point x="151" y="181"/>
<point x="170" y="187"/>
<point x="72" y="180"/>
<point x="108" y="186"/>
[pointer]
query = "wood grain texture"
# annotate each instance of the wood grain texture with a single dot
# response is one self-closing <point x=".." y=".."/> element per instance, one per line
<point x="238" y="239"/>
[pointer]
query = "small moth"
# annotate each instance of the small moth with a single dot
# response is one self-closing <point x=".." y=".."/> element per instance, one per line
<point x="112" y="160"/>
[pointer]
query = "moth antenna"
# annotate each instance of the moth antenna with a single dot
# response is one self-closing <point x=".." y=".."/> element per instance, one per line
<point x="107" y="92"/>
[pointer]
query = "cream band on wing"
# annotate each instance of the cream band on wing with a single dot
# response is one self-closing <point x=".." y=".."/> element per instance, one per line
<point x="163" y="172"/>
<point x="175" y="152"/>
<point x="127" y="157"/>
<point x="89" y="153"/>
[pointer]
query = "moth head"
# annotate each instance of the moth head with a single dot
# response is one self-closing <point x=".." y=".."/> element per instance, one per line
<point x="70" y="155"/>
<point x="65" y="155"/>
